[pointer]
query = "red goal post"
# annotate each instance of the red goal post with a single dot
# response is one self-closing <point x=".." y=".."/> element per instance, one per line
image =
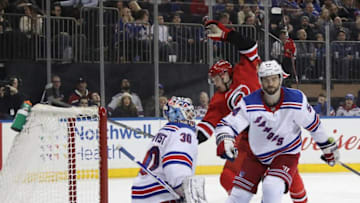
<point x="59" y="156"/>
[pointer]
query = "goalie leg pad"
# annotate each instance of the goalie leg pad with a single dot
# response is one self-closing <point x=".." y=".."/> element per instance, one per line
<point x="194" y="189"/>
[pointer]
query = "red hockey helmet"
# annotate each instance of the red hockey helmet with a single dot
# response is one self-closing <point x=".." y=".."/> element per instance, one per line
<point x="220" y="68"/>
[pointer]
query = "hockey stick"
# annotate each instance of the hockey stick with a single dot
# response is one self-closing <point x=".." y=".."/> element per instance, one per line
<point x="159" y="180"/>
<point x="344" y="165"/>
<point x="130" y="128"/>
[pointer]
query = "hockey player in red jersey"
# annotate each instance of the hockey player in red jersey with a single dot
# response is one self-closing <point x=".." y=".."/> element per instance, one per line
<point x="233" y="83"/>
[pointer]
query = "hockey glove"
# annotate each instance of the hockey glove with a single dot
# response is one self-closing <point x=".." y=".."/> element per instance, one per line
<point x="216" y="30"/>
<point x="330" y="151"/>
<point x="226" y="147"/>
<point x="193" y="190"/>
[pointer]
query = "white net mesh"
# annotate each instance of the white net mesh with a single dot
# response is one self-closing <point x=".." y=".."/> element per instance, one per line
<point x="55" y="158"/>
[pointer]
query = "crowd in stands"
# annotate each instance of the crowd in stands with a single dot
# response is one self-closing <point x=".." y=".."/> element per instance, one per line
<point x="127" y="103"/>
<point x="130" y="29"/>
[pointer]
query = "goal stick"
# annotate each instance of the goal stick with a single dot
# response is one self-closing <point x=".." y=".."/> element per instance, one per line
<point x="159" y="180"/>
<point x="130" y="128"/>
<point x="344" y="165"/>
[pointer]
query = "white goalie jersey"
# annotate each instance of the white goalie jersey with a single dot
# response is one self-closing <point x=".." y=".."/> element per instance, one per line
<point x="171" y="156"/>
<point x="274" y="130"/>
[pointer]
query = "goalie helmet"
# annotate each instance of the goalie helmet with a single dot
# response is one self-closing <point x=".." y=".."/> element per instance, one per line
<point x="179" y="109"/>
<point x="220" y="68"/>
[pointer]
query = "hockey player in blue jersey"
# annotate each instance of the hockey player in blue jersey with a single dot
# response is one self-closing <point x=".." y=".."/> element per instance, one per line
<point x="274" y="116"/>
<point x="172" y="157"/>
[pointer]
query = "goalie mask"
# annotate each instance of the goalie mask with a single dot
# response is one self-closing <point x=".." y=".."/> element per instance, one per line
<point x="179" y="109"/>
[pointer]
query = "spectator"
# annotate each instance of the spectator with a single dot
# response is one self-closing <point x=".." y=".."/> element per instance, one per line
<point x="284" y="51"/>
<point x="150" y="102"/>
<point x="125" y="17"/>
<point x="53" y="93"/>
<point x="230" y="9"/>
<point x="311" y="13"/>
<point x="291" y="7"/>
<point x="343" y="56"/>
<point x="250" y="20"/>
<point x="305" y="55"/>
<point x="61" y="34"/>
<point x="162" y="101"/>
<point x="349" y="108"/>
<point x="10" y="98"/>
<point x="355" y="29"/>
<point x="243" y="13"/>
<point x="323" y="20"/>
<point x="135" y="8"/>
<point x="125" y="88"/>
<point x="31" y="22"/>
<point x="333" y="11"/>
<point x="277" y="50"/>
<point x="327" y="4"/>
<point x="336" y="27"/>
<point x="286" y="23"/>
<point x="95" y="99"/>
<point x="321" y="107"/>
<point x="184" y="38"/>
<point x="200" y="110"/>
<point x="307" y="26"/>
<point x="119" y="6"/>
<point x="84" y="102"/>
<point x="79" y="92"/>
<point x="125" y="107"/>
<point x="348" y="12"/>
<point x="316" y="5"/>
<point x="78" y="3"/>
<point x="4" y="23"/>
<point x="138" y="35"/>
<point x="320" y="56"/>
<point x="4" y="104"/>
<point x="166" y="46"/>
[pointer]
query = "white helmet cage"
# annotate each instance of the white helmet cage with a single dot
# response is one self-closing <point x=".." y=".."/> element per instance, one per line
<point x="179" y="109"/>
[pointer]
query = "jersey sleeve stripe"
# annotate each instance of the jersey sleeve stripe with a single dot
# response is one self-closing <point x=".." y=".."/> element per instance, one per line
<point x="314" y="125"/>
<point x="178" y="153"/>
<point x="206" y="128"/>
<point x="224" y="123"/>
<point x="146" y="191"/>
<point x="171" y="128"/>
<point x="176" y="159"/>
<point x="252" y="49"/>
<point x="251" y="53"/>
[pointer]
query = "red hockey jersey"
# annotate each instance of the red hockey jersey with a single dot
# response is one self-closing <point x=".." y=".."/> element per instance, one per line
<point x="245" y="81"/>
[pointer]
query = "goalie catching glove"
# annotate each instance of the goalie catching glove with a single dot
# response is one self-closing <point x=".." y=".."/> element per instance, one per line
<point x="330" y="151"/>
<point x="216" y="30"/>
<point x="226" y="147"/>
<point x="192" y="190"/>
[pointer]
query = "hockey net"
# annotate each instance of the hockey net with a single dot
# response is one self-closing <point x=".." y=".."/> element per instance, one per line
<point x="59" y="156"/>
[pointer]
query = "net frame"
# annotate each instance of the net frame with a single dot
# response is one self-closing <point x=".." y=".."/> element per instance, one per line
<point x="72" y="175"/>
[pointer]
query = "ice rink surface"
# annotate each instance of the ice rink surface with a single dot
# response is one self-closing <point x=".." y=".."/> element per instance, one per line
<point x="321" y="188"/>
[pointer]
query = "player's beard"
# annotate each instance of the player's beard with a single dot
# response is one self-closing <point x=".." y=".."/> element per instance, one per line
<point x="271" y="90"/>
